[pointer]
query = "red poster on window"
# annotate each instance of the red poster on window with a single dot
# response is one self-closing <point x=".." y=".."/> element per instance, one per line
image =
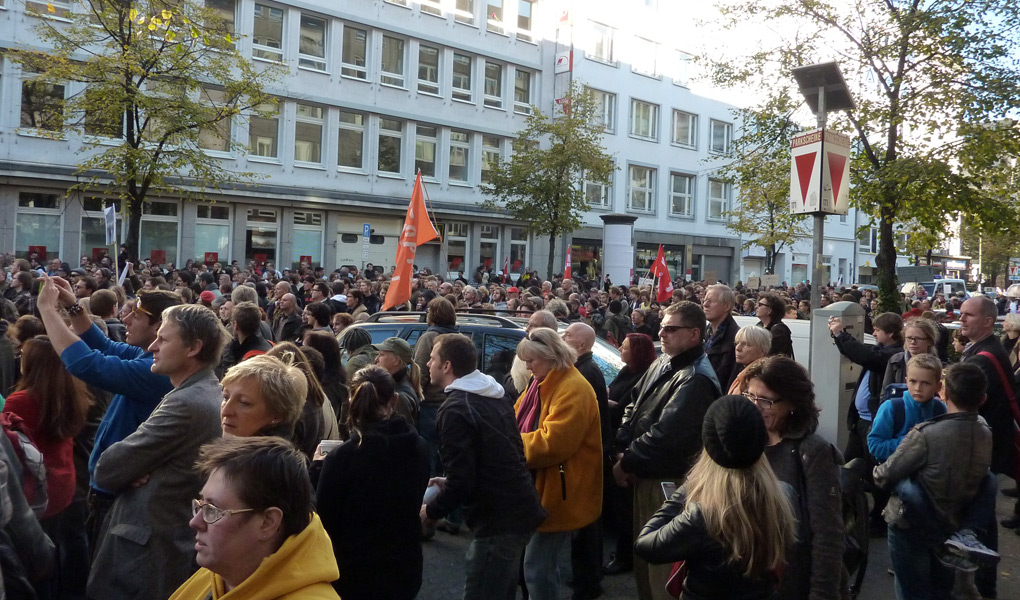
<point x="260" y="259"/>
<point x="211" y="257"/>
<point x="158" y="257"/>
<point x="39" y="251"/>
<point x="99" y="253"/>
<point x="455" y="262"/>
<point x="516" y="266"/>
<point x="488" y="263"/>
<point x="305" y="259"/>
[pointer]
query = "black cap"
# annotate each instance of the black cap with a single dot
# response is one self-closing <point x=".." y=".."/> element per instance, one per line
<point x="734" y="432"/>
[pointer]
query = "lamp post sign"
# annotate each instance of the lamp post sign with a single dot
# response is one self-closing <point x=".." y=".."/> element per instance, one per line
<point x="820" y="173"/>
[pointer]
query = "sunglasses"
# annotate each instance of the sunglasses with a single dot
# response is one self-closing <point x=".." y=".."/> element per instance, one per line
<point x="673" y="328"/>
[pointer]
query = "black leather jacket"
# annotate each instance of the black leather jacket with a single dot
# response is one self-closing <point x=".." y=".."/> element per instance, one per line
<point x="661" y="430"/>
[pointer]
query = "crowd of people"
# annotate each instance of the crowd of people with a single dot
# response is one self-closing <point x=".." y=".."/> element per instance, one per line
<point x="228" y="431"/>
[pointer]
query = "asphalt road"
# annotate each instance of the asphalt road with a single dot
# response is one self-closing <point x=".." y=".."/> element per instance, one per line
<point x="444" y="566"/>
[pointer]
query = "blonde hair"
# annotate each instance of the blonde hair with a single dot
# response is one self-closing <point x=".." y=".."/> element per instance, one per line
<point x="745" y="510"/>
<point x="546" y="344"/>
<point x="282" y="385"/>
<point x="928" y="362"/>
<point x="1012" y="322"/>
<point x="759" y="337"/>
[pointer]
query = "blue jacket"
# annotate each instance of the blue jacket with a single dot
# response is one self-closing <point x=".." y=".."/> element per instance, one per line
<point x="882" y="441"/>
<point x="123" y="370"/>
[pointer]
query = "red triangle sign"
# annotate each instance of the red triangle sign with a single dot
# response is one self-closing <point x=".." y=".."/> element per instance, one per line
<point x="837" y="162"/>
<point x="805" y="164"/>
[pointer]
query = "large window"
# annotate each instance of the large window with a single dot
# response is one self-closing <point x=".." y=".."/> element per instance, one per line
<point x="465" y="11"/>
<point x="42" y="105"/>
<point x="212" y="231"/>
<point x="264" y="133"/>
<point x="428" y="69"/>
<point x="605" y="109"/>
<point x="718" y="198"/>
<point x="351" y="147"/>
<point x="645" y="57"/>
<point x="682" y="67"/>
<point x="721" y="133"/>
<point x="431" y="7"/>
<point x="456" y="249"/>
<point x="308" y="130"/>
<point x="493" y="85"/>
<point x="685" y="129"/>
<point x="522" y="92"/>
<point x="425" y="144"/>
<point x="462" y="77"/>
<point x="312" y="46"/>
<point x="494" y="16"/>
<point x="460" y="153"/>
<point x="261" y="234"/>
<point x="601" y="43"/>
<point x="392" y="71"/>
<point x="644" y="120"/>
<point x="267" y="35"/>
<point x="354" y="57"/>
<point x="93" y="228"/>
<point x="598" y="195"/>
<point x="37" y="225"/>
<point x="642" y="188"/>
<point x="488" y="246"/>
<point x="518" y="249"/>
<point x="216" y="136"/>
<point x="391" y="134"/>
<point x="492" y="153"/>
<point x="681" y="198"/>
<point x="307" y="238"/>
<point x="157" y="236"/>
<point x="102" y="123"/>
<point x="225" y="10"/>
<point x="524" y="21"/>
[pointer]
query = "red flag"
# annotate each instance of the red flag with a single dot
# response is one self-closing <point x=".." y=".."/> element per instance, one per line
<point x="660" y="270"/>
<point x="418" y="229"/>
<point x="506" y="266"/>
<point x="566" y="267"/>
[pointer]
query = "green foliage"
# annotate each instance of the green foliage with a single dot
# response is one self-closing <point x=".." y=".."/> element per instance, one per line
<point x="542" y="184"/>
<point x="933" y="83"/>
<point x="760" y="167"/>
<point x="148" y="108"/>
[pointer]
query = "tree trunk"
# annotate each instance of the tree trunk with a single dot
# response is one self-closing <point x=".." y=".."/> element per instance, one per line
<point x="134" y="218"/>
<point x="552" y="255"/>
<point x="770" y="259"/>
<point x="888" y="291"/>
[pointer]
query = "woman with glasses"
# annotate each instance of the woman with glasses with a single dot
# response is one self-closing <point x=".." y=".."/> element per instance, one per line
<point x="770" y="312"/>
<point x="558" y="418"/>
<point x="783" y="392"/>
<point x="256" y="532"/>
<point x="919" y="337"/>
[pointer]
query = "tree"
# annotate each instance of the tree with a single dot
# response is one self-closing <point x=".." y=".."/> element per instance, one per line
<point x="928" y="78"/>
<point x="760" y="167"/>
<point x="163" y="81"/>
<point x="542" y="184"/>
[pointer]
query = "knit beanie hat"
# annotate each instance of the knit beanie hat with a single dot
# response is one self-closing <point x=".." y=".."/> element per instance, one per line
<point x="734" y="432"/>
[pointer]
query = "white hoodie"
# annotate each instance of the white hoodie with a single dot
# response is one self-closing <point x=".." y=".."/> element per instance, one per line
<point x="479" y="383"/>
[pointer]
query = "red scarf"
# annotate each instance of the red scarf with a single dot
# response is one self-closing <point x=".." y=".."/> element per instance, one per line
<point x="527" y="412"/>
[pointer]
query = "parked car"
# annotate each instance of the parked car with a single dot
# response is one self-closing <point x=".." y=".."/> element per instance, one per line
<point x="939" y="285"/>
<point x="495" y="338"/>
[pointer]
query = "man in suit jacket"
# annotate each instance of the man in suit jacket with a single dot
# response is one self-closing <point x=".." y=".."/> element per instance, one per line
<point x="146" y="550"/>
<point x="721" y="334"/>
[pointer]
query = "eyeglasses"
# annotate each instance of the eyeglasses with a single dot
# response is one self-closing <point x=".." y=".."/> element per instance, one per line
<point x="211" y="513"/>
<point x="766" y="402"/>
<point x="765" y="304"/>
<point x="138" y="309"/>
<point x="673" y="328"/>
<point x="913" y="339"/>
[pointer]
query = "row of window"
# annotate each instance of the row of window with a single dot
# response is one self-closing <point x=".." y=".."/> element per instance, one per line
<point x="644" y="123"/>
<point x="646" y="57"/>
<point x="372" y="55"/>
<point x="499" y="15"/>
<point x="680" y="199"/>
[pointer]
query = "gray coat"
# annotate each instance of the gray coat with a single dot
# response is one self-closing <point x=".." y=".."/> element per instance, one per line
<point x="146" y="550"/>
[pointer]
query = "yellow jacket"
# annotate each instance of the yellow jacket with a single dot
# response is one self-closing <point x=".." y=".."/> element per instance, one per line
<point x="303" y="568"/>
<point x="567" y="440"/>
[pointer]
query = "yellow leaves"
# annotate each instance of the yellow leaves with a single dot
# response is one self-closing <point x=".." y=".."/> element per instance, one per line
<point x="166" y="14"/>
<point x="152" y="27"/>
<point x="229" y="39"/>
<point x="50" y="8"/>
<point x="133" y="14"/>
<point x="171" y="35"/>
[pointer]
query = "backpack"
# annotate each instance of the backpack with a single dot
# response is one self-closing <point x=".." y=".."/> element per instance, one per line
<point x="33" y="471"/>
<point x="894" y="393"/>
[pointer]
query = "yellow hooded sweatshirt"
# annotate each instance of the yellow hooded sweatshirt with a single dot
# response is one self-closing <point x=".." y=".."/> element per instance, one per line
<point x="303" y="568"/>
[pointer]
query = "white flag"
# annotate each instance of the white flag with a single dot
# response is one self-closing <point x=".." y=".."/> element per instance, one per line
<point x="110" y="220"/>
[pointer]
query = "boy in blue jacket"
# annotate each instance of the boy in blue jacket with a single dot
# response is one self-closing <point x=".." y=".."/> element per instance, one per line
<point x="924" y="378"/>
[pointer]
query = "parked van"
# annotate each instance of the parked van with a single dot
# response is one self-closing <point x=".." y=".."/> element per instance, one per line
<point x="937" y="286"/>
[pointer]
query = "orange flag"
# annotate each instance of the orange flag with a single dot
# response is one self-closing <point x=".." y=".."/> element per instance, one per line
<point x="418" y="229"/>
<point x="566" y="267"/>
<point x="660" y="269"/>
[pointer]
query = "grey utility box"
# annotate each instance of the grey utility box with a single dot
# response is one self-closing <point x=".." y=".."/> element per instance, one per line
<point x="833" y="374"/>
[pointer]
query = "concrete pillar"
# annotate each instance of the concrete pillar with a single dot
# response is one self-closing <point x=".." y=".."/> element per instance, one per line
<point x="618" y="247"/>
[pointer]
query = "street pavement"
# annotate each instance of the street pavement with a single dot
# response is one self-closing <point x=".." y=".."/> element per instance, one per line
<point x="444" y="566"/>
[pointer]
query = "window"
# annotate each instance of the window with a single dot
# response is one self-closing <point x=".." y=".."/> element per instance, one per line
<point x="718" y="198"/>
<point x="392" y="61"/>
<point x="432" y="7"/>
<point x="102" y="123"/>
<point x="93" y="229"/>
<point x="605" y="109"/>
<point x="645" y="57"/>
<point x="61" y="8"/>
<point x="681" y="199"/>
<point x="682" y="68"/>
<point x="522" y="92"/>
<point x="427" y="139"/>
<point x="460" y="150"/>
<point x="601" y="43"/>
<point x="42" y="105"/>
<point x="351" y="146"/>
<point x="391" y="133"/>
<point x="212" y="230"/>
<point x="491" y="155"/>
<point x="267" y="35"/>
<point x="261" y="234"/>
<point x="157" y="232"/>
<point x="37" y="225"/>
<point x="312" y="44"/>
<point x="685" y="129"/>
<point x="428" y="69"/>
<point x="598" y="195"/>
<point x="308" y="134"/>
<point x="494" y="16"/>
<point x="456" y="248"/>
<point x="307" y="237"/>
<point x="644" y="120"/>
<point x="354" y="59"/>
<point x="399" y="2"/>
<point x="465" y="12"/>
<point x="215" y="136"/>
<point x="642" y="188"/>
<point x="493" y="85"/>
<point x="488" y="246"/>
<point x="264" y="133"/>
<point x="461" y="77"/>
<point x="868" y="238"/>
<point x="524" y="21"/>
<point x="225" y="10"/>
<point x="721" y="133"/>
